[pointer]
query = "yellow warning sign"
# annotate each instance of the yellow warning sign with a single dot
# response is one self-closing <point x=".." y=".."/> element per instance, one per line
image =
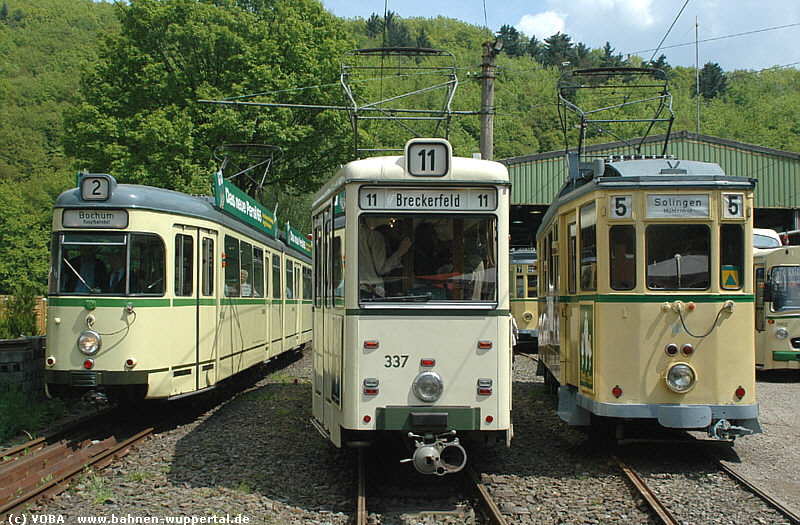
<point x="730" y="277"/>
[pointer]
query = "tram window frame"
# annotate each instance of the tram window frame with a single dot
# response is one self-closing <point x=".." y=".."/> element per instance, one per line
<point x="532" y="280"/>
<point x="245" y="265"/>
<point x="731" y="254"/>
<point x="258" y="272"/>
<point x="337" y="257"/>
<point x="572" y="254"/>
<point x="184" y="265"/>
<point x="658" y="239"/>
<point x="784" y="296"/>
<point x="232" y="274"/>
<point x="147" y="264"/>
<point x="588" y="247"/>
<point x="308" y="290"/>
<point x="622" y="273"/>
<point x="290" y="287"/>
<point x="319" y="281"/>
<point x="207" y="265"/>
<point x="277" y="268"/>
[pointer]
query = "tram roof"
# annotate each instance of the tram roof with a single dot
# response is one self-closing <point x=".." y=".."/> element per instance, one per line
<point x="134" y="196"/>
<point x="640" y="173"/>
<point x="391" y="169"/>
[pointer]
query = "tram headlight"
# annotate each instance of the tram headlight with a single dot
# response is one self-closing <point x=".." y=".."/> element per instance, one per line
<point x="89" y="342"/>
<point x="781" y="333"/>
<point x="428" y="386"/>
<point x="681" y="378"/>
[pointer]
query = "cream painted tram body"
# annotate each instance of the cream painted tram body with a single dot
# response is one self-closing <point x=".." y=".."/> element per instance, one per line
<point x="644" y="302"/>
<point x="202" y="294"/>
<point x="524" y="286"/>
<point x="777" y="278"/>
<point x="425" y="353"/>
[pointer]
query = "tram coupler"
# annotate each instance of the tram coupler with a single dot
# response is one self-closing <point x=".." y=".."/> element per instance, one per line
<point x="723" y="429"/>
<point x="437" y="454"/>
<point x="95" y="397"/>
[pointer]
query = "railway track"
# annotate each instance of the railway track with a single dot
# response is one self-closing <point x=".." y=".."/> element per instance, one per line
<point x="403" y="496"/>
<point x="661" y="508"/>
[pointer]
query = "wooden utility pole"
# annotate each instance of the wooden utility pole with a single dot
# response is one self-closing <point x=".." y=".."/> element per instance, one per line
<point x="490" y="51"/>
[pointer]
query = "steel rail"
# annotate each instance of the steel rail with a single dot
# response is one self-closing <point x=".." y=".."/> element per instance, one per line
<point x="649" y="496"/>
<point x="57" y="484"/>
<point x="793" y="518"/>
<point x="495" y="516"/>
<point x="361" y="491"/>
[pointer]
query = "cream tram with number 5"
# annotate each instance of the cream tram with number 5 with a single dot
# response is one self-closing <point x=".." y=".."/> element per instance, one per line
<point x="646" y="297"/>
<point x="411" y="313"/>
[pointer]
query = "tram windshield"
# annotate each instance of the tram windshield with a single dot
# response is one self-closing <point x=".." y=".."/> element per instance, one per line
<point x="785" y="288"/>
<point x="413" y="258"/>
<point x="678" y="256"/>
<point x="107" y="264"/>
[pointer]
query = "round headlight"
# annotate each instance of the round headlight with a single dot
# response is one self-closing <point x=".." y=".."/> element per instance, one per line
<point x="89" y="342"/>
<point x="681" y="378"/>
<point x="527" y="317"/>
<point x="781" y="333"/>
<point x="428" y="386"/>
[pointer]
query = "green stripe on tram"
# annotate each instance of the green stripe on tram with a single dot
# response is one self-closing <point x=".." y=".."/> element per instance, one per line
<point x="403" y="312"/>
<point x="95" y="302"/>
<point x="654" y="298"/>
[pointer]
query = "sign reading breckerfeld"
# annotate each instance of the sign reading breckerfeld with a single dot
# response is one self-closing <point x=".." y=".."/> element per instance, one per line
<point x="677" y="205"/>
<point x="235" y="202"/>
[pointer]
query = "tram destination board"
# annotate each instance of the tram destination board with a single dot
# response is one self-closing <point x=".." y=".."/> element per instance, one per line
<point x="429" y="199"/>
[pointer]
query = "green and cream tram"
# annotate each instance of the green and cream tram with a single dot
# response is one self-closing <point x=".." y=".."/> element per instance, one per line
<point x="777" y="278"/>
<point x="411" y="312"/>
<point x="155" y="294"/>
<point x="646" y="298"/>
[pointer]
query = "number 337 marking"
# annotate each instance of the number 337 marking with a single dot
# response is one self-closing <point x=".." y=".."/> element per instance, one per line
<point x="395" y="361"/>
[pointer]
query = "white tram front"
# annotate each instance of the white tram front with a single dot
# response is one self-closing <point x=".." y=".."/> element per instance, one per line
<point x="155" y="294"/>
<point x="411" y="311"/>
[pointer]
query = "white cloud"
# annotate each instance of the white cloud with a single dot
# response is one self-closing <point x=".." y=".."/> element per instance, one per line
<point x="542" y="25"/>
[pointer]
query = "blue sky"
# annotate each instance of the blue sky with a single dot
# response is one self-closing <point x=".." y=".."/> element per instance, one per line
<point x="736" y="34"/>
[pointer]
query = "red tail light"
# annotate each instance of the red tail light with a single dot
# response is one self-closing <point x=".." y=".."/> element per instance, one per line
<point x="740" y="393"/>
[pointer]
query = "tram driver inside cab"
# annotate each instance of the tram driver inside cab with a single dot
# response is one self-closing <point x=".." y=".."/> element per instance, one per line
<point x="373" y="261"/>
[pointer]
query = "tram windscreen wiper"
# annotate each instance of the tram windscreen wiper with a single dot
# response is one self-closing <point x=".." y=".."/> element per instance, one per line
<point x="89" y="289"/>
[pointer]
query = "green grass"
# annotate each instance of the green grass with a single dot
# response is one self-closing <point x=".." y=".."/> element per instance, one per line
<point x="18" y="416"/>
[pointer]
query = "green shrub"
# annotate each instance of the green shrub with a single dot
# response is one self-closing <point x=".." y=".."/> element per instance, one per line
<point x="18" y="315"/>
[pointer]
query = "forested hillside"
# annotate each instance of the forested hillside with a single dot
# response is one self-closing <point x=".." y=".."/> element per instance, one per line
<point x="117" y="88"/>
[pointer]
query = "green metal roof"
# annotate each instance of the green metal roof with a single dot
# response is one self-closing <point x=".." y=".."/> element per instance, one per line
<point x="537" y="178"/>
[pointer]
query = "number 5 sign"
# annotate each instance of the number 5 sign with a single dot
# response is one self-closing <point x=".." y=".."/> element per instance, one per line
<point x="621" y="206"/>
<point x="732" y="206"/>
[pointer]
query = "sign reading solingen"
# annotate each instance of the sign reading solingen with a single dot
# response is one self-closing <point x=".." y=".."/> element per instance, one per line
<point x="676" y="206"/>
<point x="433" y="199"/>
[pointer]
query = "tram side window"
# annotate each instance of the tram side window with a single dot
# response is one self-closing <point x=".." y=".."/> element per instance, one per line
<point x="184" y="258"/>
<point x="289" y="280"/>
<point x="147" y="265"/>
<point x="731" y="256"/>
<point x="318" y="279"/>
<point x="207" y="276"/>
<point x="520" y="286"/>
<point x="307" y="283"/>
<point x="622" y="266"/>
<point x="337" y="272"/>
<point x="276" y="276"/>
<point x="258" y="272"/>
<point x="232" y="274"/>
<point x="678" y="256"/>
<point x="246" y="272"/>
<point x="572" y="249"/>
<point x="588" y="252"/>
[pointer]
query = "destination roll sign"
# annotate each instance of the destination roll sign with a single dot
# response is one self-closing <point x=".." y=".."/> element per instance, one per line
<point x="433" y="199"/>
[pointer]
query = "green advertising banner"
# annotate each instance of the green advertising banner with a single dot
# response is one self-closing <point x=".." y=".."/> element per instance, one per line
<point x="235" y="202"/>
<point x="297" y="240"/>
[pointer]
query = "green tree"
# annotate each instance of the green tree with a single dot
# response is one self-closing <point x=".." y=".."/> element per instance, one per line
<point x="712" y="81"/>
<point x="512" y="43"/>
<point x="558" y="48"/>
<point x="142" y="120"/>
